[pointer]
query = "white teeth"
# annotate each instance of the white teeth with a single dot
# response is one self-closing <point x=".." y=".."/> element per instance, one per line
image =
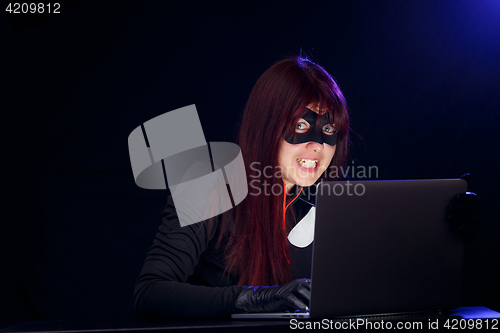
<point x="307" y="163"/>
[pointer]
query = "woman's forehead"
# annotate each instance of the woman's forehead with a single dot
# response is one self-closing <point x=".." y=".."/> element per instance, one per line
<point x="316" y="107"/>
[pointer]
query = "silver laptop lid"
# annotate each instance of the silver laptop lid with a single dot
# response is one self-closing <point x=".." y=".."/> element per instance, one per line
<point x="385" y="247"/>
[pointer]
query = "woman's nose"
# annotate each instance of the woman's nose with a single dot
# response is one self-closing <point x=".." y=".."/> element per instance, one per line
<point x="314" y="146"/>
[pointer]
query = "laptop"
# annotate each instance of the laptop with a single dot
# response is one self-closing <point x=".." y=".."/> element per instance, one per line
<point x="383" y="248"/>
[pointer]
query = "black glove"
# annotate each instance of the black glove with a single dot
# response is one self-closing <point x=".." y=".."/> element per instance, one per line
<point x="294" y="295"/>
<point x="463" y="214"/>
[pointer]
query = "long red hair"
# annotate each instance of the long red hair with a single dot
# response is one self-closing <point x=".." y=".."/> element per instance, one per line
<point x="258" y="249"/>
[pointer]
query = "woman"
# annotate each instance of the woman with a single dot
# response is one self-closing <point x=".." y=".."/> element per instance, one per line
<point x="295" y="125"/>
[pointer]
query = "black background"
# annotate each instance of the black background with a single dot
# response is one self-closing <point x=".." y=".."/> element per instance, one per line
<point x="422" y="80"/>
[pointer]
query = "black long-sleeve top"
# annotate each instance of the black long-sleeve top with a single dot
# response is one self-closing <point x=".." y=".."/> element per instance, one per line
<point x="183" y="274"/>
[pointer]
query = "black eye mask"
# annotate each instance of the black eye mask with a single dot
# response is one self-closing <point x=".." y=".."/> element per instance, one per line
<point x="314" y="134"/>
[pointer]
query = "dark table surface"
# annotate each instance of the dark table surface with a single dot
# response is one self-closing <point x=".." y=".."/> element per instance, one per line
<point x="468" y="317"/>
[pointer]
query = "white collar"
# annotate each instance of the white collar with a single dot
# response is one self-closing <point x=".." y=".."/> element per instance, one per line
<point x="303" y="233"/>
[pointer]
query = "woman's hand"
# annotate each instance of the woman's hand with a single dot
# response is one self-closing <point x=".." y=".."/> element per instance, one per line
<point x="294" y="295"/>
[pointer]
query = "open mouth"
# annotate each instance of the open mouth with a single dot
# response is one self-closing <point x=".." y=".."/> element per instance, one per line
<point x="307" y="163"/>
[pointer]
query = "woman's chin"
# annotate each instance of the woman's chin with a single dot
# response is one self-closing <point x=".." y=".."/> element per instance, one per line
<point x="306" y="182"/>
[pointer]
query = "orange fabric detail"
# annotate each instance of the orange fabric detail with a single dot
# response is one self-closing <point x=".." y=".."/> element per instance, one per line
<point x="285" y="207"/>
